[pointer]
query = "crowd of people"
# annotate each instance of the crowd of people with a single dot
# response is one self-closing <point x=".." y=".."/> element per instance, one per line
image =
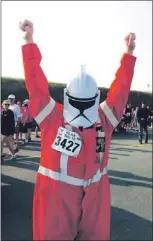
<point x="131" y="117"/>
<point x="16" y="126"/>
<point x="139" y="119"/>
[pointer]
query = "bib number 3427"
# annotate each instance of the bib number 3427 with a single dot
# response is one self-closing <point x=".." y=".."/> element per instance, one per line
<point x="67" y="142"/>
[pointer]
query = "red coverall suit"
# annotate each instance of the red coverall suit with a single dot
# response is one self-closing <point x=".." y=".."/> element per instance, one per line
<point x="72" y="195"/>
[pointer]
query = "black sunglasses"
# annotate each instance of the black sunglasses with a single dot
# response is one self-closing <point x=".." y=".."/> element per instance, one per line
<point x="6" y="104"/>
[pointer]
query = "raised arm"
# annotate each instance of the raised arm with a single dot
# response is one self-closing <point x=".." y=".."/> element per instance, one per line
<point x="37" y="85"/>
<point x="117" y="97"/>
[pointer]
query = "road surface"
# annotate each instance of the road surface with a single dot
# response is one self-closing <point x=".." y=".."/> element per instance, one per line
<point x="130" y="173"/>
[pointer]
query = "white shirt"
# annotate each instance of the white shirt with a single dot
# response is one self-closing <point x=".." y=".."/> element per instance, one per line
<point x="16" y="110"/>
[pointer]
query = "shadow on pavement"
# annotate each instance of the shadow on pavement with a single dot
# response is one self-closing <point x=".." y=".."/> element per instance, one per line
<point x="129" y="149"/>
<point x="25" y="162"/>
<point x="128" y="226"/>
<point x="124" y="136"/>
<point x="117" y="154"/>
<point x="115" y="177"/>
<point x="132" y="135"/>
<point x="17" y="215"/>
<point x="120" y="149"/>
<point x="113" y="158"/>
<point x="16" y="209"/>
<point x="129" y="175"/>
<point x="34" y="142"/>
<point x="121" y="179"/>
<point x="30" y="147"/>
<point x="30" y="163"/>
<point x="126" y="183"/>
<point x="119" y="144"/>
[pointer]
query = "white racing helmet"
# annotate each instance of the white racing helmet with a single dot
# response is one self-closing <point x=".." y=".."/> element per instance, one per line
<point x="81" y="101"/>
<point x="11" y="96"/>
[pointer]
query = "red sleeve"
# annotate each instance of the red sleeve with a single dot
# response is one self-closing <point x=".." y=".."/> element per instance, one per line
<point x="37" y="85"/>
<point x="117" y="96"/>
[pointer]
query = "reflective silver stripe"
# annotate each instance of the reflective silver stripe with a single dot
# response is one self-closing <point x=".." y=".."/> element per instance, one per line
<point x="101" y="154"/>
<point x="108" y="112"/>
<point x="63" y="163"/>
<point x="71" y="180"/>
<point x="64" y="158"/>
<point x="96" y="177"/>
<point x="60" y="176"/>
<point x="46" y="111"/>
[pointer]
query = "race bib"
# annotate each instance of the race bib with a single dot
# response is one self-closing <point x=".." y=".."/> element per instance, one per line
<point x="67" y="142"/>
<point x="128" y="114"/>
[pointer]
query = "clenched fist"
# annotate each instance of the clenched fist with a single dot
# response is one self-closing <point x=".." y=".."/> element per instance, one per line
<point x="130" y="43"/>
<point x="27" y="27"/>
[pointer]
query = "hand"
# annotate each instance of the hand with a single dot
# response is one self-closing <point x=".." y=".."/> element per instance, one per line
<point x="130" y="43"/>
<point x="27" y="27"/>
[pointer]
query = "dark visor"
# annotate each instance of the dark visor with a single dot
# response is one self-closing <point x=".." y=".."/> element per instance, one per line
<point x="82" y="99"/>
<point x="81" y="105"/>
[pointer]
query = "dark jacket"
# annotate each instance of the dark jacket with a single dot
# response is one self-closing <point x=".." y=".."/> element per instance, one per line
<point x="143" y="114"/>
<point x="7" y="122"/>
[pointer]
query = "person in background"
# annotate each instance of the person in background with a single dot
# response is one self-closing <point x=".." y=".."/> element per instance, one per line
<point x="19" y="104"/>
<point x="142" y="115"/>
<point x="152" y="122"/>
<point x="132" y="120"/>
<point x="30" y="121"/>
<point x="20" y="124"/>
<point x="17" y="118"/>
<point x="149" y="118"/>
<point x="2" y="108"/>
<point x="37" y="129"/>
<point x="24" y="122"/>
<point x="7" y="130"/>
<point x="128" y="118"/>
<point x="20" y="133"/>
<point x="135" y="118"/>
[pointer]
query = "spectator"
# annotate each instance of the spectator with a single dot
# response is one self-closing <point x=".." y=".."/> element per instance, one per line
<point x="7" y="130"/>
<point x="20" y="106"/>
<point x="149" y="118"/>
<point x="37" y="129"/>
<point x="17" y="118"/>
<point x="128" y="117"/>
<point x="30" y="121"/>
<point x="152" y="122"/>
<point x="2" y="108"/>
<point x="24" y="122"/>
<point x="132" y="119"/>
<point x="142" y="115"/>
<point x="135" y="117"/>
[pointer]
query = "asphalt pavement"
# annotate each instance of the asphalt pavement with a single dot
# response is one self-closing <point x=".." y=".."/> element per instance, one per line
<point x="130" y="174"/>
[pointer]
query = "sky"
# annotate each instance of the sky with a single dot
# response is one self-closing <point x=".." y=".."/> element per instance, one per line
<point x="71" y="33"/>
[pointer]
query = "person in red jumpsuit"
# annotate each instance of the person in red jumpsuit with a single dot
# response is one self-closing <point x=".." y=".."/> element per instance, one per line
<point x="72" y="190"/>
